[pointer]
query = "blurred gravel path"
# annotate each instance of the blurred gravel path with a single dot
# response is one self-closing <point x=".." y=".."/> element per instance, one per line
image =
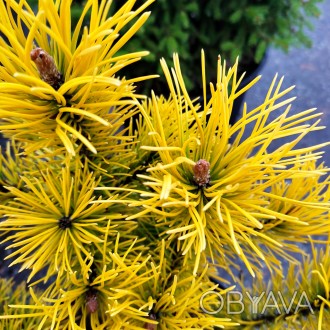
<point x="309" y="70"/>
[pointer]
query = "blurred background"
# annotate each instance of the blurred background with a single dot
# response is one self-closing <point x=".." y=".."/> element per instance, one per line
<point x="306" y="68"/>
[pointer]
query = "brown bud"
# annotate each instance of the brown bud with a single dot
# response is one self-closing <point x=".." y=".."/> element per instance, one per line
<point x="151" y="326"/>
<point x="91" y="301"/>
<point x="202" y="173"/>
<point x="46" y="67"/>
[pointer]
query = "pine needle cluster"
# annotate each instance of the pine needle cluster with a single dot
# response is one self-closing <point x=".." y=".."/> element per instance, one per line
<point x="126" y="210"/>
<point x="299" y="301"/>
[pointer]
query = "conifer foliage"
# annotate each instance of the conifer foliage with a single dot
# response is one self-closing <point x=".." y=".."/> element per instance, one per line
<point x="126" y="210"/>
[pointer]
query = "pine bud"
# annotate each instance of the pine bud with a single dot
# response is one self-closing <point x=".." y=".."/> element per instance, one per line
<point x="91" y="301"/>
<point x="151" y="326"/>
<point x="202" y="173"/>
<point x="47" y="68"/>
